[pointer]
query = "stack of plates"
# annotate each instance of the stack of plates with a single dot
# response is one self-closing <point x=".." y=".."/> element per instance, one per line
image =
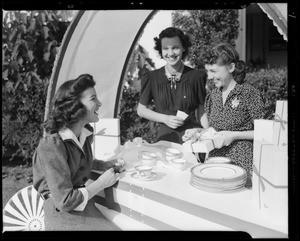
<point x="218" y="177"/>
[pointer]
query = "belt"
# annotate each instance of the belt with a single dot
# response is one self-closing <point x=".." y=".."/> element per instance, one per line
<point x="46" y="196"/>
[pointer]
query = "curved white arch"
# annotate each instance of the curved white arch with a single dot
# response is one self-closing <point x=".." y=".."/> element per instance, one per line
<point x="99" y="43"/>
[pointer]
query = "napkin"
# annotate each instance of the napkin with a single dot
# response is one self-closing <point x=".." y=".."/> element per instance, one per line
<point x="182" y="114"/>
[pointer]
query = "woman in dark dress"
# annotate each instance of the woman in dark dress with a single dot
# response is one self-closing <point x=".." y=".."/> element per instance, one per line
<point x="231" y="107"/>
<point x="63" y="161"/>
<point x="174" y="87"/>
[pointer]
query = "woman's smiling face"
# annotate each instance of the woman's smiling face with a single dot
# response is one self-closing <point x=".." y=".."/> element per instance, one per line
<point x="172" y="50"/>
<point x="220" y="74"/>
<point x="92" y="104"/>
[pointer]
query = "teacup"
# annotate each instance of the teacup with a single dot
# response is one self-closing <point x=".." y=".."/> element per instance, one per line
<point x="179" y="163"/>
<point x="148" y="158"/>
<point x="144" y="171"/>
<point x="172" y="153"/>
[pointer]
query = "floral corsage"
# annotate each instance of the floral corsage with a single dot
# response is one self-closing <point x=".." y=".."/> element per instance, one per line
<point x="235" y="102"/>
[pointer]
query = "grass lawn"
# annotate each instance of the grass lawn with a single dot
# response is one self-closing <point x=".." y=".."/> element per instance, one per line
<point x="14" y="178"/>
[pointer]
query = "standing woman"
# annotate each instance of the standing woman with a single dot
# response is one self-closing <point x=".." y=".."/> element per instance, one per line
<point x="63" y="160"/>
<point x="173" y="87"/>
<point x="231" y="107"/>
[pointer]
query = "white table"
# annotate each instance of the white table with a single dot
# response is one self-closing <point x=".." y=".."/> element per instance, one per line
<point x="170" y="202"/>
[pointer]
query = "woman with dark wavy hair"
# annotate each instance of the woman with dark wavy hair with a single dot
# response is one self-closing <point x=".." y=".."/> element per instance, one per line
<point x="173" y="87"/>
<point x="63" y="160"/>
<point x="231" y="107"/>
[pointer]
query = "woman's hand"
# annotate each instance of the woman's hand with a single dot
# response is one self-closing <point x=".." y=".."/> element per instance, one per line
<point x="109" y="164"/>
<point x="108" y="178"/>
<point x="173" y="121"/>
<point x="190" y="134"/>
<point x="223" y="138"/>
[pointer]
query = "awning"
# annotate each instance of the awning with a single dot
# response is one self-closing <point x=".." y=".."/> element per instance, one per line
<point x="277" y="12"/>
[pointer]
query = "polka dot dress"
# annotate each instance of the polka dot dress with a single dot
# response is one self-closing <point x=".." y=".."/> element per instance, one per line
<point x="243" y="104"/>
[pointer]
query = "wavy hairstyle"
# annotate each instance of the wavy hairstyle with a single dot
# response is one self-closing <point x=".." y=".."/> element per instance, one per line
<point x="67" y="107"/>
<point x="170" y="33"/>
<point x="225" y="54"/>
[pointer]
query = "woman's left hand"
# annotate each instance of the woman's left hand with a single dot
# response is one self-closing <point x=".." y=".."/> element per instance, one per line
<point x="118" y="166"/>
<point x="110" y="163"/>
<point x="223" y="138"/>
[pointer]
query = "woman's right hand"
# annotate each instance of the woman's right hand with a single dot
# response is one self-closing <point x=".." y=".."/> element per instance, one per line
<point x="108" y="178"/>
<point x="173" y="121"/>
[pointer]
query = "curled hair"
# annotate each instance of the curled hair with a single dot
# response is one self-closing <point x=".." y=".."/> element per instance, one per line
<point x="225" y="54"/>
<point x="170" y="33"/>
<point x="67" y="107"/>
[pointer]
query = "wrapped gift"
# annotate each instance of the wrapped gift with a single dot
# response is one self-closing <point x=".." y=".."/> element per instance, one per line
<point x="107" y="138"/>
<point x="203" y="146"/>
<point x="273" y="131"/>
<point x="270" y="181"/>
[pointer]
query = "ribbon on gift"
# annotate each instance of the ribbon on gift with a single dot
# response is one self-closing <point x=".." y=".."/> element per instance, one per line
<point x="277" y="118"/>
<point x="282" y="122"/>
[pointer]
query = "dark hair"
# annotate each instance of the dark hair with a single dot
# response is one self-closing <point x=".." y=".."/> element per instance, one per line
<point x="225" y="54"/>
<point x="67" y="107"/>
<point x="170" y="33"/>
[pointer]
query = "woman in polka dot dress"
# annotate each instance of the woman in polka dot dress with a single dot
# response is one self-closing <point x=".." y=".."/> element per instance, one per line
<point x="231" y="107"/>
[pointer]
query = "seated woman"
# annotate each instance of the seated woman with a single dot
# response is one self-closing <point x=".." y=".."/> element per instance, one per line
<point x="63" y="160"/>
<point x="231" y="107"/>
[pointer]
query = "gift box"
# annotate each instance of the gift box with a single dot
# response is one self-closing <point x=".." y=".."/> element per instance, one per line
<point x="273" y="131"/>
<point x="270" y="181"/>
<point x="203" y="146"/>
<point x="107" y="138"/>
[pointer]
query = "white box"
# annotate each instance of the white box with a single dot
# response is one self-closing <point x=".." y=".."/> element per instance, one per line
<point x="111" y="125"/>
<point x="106" y="147"/>
<point x="270" y="131"/>
<point x="203" y="146"/>
<point x="281" y="109"/>
<point x="106" y="143"/>
<point x="270" y="181"/>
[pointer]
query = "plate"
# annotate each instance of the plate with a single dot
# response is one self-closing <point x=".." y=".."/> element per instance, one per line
<point x="135" y="175"/>
<point x="216" y="190"/>
<point x="214" y="171"/>
<point x="218" y="160"/>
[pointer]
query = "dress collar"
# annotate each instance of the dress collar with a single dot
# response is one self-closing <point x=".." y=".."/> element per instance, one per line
<point x="67" y="134"/>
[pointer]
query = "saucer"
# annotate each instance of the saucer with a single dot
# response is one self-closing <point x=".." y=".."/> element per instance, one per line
<point x="138" y="177"/>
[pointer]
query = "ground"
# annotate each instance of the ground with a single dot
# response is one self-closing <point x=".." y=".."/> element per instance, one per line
<point x="14" y="178"/>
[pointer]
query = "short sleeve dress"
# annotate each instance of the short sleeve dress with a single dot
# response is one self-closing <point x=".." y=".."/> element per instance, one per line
<point x="243" y="104"/>
<point x="187" y="96"/>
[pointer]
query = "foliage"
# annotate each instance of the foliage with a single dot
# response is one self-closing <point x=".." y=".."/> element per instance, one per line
<point x="30" y="42"/>
<point x="273" y="85"/>
<point x="131" y="124"/>
<point x="206" y="28"/>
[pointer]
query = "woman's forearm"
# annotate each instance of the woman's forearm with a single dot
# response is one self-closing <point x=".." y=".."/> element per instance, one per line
<point x="243" y="135"/>
<point x="151" y="115"/>
<point x="204" y="121"/>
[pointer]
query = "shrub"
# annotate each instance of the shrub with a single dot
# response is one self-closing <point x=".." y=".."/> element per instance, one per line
<point x="272" y="83"/>
<point x="131" y="124"/>
<point x="206" y="28"/>
<point x="30" y="42"/>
